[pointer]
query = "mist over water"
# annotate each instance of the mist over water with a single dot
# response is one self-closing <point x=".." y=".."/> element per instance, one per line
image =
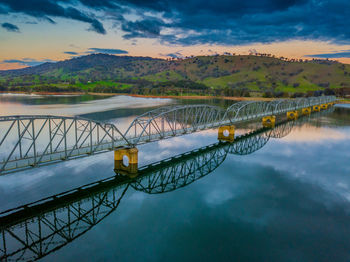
<point x="287" y="201"/>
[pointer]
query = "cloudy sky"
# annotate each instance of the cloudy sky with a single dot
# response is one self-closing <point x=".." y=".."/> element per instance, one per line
<point x="36" y="31"/>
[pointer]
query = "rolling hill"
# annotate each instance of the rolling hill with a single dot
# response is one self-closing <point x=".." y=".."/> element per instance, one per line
<point x="226" y="75"/>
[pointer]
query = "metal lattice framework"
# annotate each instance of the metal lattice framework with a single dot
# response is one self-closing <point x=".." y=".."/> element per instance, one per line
<point x="252" y="143"/>
<point x="35" y="230"/>
<point x="180" y="171"/>
<point x="30" y="233"/>
<point x="173" y="121"/>
<point x="246" y="110"/>
<point x="280" y="106"/>
<point x="281" y="131"/>
<point x="35" y="140"/>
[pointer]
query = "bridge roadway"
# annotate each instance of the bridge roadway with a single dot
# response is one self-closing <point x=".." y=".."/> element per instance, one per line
<point x="27" y="141"/>
<point x="34" y="230"/>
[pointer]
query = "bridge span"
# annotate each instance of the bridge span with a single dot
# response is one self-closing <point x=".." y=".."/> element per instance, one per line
<point x="27" y="141"/>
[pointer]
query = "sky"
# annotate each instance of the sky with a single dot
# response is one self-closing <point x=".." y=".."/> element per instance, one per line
<point x="37" y="31"/>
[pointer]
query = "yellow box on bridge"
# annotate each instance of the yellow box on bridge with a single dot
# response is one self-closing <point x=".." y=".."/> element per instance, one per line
<point x="132" y="155"/>
<point x="316" y="108"/>
<point x="269" y="121"/>
<point x="292" y="115"/>
<point x="226" y="133"/>
<point x="306" y="111"/>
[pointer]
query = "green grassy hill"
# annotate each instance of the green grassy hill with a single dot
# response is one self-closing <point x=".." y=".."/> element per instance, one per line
<point x="224" y="75"/>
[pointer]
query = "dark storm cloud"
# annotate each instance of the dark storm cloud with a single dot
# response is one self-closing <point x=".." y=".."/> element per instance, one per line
<point x="107" y="51"/>
<point x="47" y="8"/>
<point x="189" y="22"/>
<point x="344" y="54"/>
<point x="26" y="61"/>
<point x="10" y="27"/>
<point x="238" y="22"/>
<point x="147" y="28"/>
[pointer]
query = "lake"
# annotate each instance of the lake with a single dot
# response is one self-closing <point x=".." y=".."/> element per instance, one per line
<point x="281" y="196"/>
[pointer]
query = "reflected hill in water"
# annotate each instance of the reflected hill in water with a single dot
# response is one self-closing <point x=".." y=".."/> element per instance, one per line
<point x="37" y="229"/>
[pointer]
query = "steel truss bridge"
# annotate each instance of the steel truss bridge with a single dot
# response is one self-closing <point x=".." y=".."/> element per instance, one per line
<point x="35" y="230"/>
<point x="27" y="141"/>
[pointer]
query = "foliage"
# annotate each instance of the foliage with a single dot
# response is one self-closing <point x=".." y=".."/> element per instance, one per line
<point x="228" y="75"/>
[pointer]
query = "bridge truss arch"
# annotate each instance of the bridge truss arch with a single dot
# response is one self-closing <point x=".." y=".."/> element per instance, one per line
<point x="246" y="110"/>
<point x="33" y="140"/>
<point x="31" y="232"/>
<point x="301" y="103"/>
<point x="249" y="143"/>
<point x="284" y="129"/>
<point x="280" y="106"/>
<point x="180" y="171"/>
<point x="173" y="121"/>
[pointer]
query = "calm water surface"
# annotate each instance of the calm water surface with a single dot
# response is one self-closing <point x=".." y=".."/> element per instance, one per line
<point x="286" y="200"/>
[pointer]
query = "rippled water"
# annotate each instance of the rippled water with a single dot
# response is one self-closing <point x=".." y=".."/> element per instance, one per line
<point x="287" y="199"/>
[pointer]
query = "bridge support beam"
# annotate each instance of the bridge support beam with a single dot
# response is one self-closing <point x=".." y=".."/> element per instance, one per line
<point x="324" y="106"/>
<point x="132" y="155"/>
<point x="316" y="108"/>
<point x="226" y="133"/>
<point x="269" y="121"/>
<point x="306" y="111"/>
<point x="292" y="115"/>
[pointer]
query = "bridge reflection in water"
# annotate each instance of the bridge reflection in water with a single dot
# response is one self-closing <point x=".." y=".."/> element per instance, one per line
<point x="35" y="230"/>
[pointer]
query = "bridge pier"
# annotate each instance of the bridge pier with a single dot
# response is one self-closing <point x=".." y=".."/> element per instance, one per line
<point x="324" y="106"/>
<point x="316" y="108"/>
<point x="306" y="111"/>
<point x="269" y="121"/>
<point x="292" y="115"/>
<point x="226" y="133"/>
<point x="132" y="155"/>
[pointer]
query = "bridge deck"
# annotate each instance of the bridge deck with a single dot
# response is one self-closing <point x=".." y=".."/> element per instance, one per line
<point x="36" y="140"/>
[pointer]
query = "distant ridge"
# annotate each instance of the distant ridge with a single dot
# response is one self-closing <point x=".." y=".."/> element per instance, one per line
<point x="228" y="75"/>
<point x="76" y="64"/>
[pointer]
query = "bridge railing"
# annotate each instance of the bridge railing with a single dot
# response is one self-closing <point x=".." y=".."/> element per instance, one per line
<point x="32" y="140"/>
<point x="172" y="121"/>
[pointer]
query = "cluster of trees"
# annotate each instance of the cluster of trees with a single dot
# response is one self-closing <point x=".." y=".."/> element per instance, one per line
<point x="41" y="88"/>
<point x="177" y="88"/>
<point x="314" y="60"/>
<point x="280" y="94"/>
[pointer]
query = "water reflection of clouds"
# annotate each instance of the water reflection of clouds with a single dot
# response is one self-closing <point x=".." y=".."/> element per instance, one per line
<point x="261" y="207"/>
<point x="33" y="184"/>
<point x="312" y="134"/>
<point x="81" y="165"/>
<point x="162" y="149"/>
<point x="323" y="163"/>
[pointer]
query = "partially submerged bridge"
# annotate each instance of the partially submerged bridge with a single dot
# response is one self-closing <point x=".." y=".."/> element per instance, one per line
<point x="27" y="141"/>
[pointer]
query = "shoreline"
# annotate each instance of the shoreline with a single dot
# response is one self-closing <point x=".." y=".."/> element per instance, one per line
<point x="235" y="98"/>
<point x="143" y="96"/>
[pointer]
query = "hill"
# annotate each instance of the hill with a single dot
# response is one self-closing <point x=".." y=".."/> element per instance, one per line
<point x="216" y="75"/>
